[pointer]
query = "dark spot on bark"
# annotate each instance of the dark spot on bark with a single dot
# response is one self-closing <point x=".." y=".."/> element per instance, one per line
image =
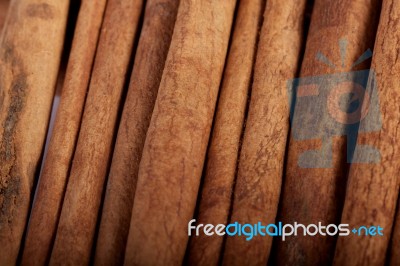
<point x="10" y="179"/>
<point x="43" y="11"/>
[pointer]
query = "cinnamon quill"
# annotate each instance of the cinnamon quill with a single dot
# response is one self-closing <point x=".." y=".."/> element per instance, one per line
<point x="176" y="142"/>
<point x="29" y="65"/>
<point x="51" y="186"/>
<point x="149" y="63"/>
<point x="77" y="224"/>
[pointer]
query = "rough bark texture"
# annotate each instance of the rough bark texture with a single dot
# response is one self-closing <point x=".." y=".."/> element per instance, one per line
<point x="372" y="189"/>
<point x="395" y="245"/>
<point x="176" y="142"/>
<point x="30" y="54"/>
<point x="80" y="208"/>
<point x="3" y="13"/>
<point x="150" y="58"/>
<point x="50" y="191"/>
<point x="222" y="155"/>
<point x="259" y="178"/>
<point x="313" y="194"/>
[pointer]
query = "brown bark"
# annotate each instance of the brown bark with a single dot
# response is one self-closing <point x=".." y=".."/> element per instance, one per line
<point x="150" y="58"/>
<point x="315" y="194"/>
<point x="51" y="186"/>
<point x="258" y="184"/>
<point x="372" y="189"/>
<point x="395" y="245"/>
<point x="3" y="13"/>
<point x="83" y="194"/>
<point x="224" y="147"/>
<point x="176" y="142"/>
<point x="29" y="66"/>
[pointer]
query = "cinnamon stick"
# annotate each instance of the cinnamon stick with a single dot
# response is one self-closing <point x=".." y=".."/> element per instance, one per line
<point x="395" y="245"/>
<point x="29" y="66"/>
<point x="176" y="142"/>
<point x="76" y="228"/>
<point x="51" y="186"/>
<point x="155" y="38"/>
<point x="228" y="125"/>
<point x="372" y="189"/>
<point x="317" y="166"/>
<point x="3" y="12"/>
<point x="259" y="177"/>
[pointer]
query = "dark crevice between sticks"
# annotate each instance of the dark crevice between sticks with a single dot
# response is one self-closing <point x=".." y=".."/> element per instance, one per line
<point x="71" y="23"/>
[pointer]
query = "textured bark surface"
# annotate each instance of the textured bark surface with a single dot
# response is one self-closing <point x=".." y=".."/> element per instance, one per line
<point x="3" y="12"/>
<point x="150" y="58"/>
<point x="372" y="189"/>
<point x="83" y="194"/>
<point x="29" y="66"/>
<point x="312" y="195"/>
<point x="259" y="178"/>
<point x="51" y="186"/>
<point x="176" y="142"/>
<point x="395" y="245"/>
<point x="222" y="155"/>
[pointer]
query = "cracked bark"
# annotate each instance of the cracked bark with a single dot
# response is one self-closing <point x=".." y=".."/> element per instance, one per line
<point x="76" y="228"/>
<point x="150" y="58"/>
<point x="223" y="152"/>
<point x="51" y="186"/>
<point x="372" y="189"/>
<point x="27" y="87"/>
<point x="312" y="195"/>
<point x="176" y="142"/>
<point x="258" y="184"/>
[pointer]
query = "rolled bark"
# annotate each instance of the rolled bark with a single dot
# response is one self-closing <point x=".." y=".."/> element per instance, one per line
<point x="155" y="38"/>
<point x="3" y="13"/>
<point x="223" y="151"/>
<point x="372" y="189"/>
<point x="29" y="66"/>
<point x="258" y="184"/>
<point x="51" y="186"/>
<point x="76" y="228"/>
<point x="314" y="193"/>
<point x="176" y="142"/>
<point x="395" y="245"/>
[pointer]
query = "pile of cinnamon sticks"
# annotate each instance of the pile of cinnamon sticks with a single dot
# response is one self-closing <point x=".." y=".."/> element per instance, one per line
<point x="121" y="121"/>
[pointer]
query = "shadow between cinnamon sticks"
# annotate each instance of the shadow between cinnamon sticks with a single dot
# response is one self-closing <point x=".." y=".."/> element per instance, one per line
<point x="176" y="142"/>
<point x="29" y="66"/>
<point x="77" y="224"/>
<point x="51" y="186"/>
<point x="258" y="184"/>
<point x="223" y="151"/>
<point x="155" y="38"/>
<point x="372" y="190"/>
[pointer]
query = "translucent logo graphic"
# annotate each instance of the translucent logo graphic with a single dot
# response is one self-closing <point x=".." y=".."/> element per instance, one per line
<point x="328" y="106"/>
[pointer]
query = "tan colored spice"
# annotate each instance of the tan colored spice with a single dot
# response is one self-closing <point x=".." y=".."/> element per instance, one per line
<point x="29" y="66"/>
<point x="315" y="194"/>
<point x="150" y="58"/>
<point x="372" y="189"/>
<point x="228" y="125"/>
<point x="51" y="186"/>
<point x="176" y="142"/>
<point x="263" y="150"/>
<point x="76" y="228"/>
